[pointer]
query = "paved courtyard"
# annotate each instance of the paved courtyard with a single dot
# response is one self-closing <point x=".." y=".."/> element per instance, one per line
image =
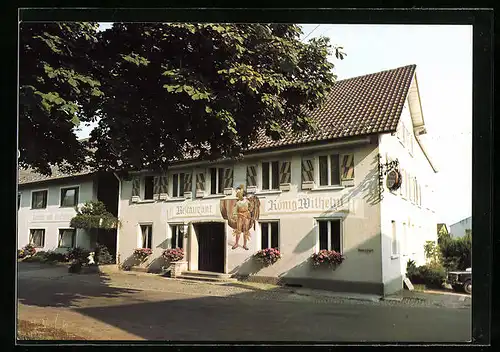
<point x="124" y="306"/>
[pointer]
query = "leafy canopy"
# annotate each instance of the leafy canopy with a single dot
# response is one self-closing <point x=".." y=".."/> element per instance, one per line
<point x="56" y="92"/>
<point x="205" y="90"/>
<point x="164" y="91"/>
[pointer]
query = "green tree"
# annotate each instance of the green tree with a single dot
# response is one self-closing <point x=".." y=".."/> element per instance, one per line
<point x="202" y="90"/>
<point x="56" y="92"/>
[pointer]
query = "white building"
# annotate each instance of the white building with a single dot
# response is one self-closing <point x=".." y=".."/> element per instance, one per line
<point x="459" y="229"/>
<point x="321" y="191"/>
<point x="46" y="205"/>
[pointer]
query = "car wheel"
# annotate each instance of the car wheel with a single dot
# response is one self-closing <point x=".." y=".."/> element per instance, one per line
<point x="468" y="286"/>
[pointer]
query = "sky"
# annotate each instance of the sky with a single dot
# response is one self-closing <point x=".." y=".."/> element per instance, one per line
<point x="443" y="55"/>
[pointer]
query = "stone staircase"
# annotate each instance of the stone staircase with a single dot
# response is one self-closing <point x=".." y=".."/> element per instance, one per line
<point x="206" y="276"/>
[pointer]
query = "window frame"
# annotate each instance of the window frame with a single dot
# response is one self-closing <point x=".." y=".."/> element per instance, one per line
<point x="269" y="234"/>
<point x="19" y="199"/>
<point x="143" y="187"/>
<point x="73" y="238"/>
<point x="329" y="237"/>
<point x="180" y="190"/>
<point x="180" y="235"/>
<point x="46" y="198"/>
<point x="44" y="231"/>
<point x="219" y="183"/>
<point x="77" y="196"/>
<point x="329" y="169"/>
<point x="270" y="162"/>
<point x="140" y="239"/>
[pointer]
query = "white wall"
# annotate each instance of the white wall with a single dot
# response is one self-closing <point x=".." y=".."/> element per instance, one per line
<point x="421" y="220"/>
<point x="53" y="217"/>
<point x="298" y="236"/>
<point x="458" y="229"/>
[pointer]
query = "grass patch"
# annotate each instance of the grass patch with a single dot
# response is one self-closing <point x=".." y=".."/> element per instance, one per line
<point x="27" y="330"/>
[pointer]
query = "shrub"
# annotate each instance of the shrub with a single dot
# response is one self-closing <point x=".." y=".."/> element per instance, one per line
<point x="325" y="257"/>
<point x="456" y="252"/>
<point x="268" y="256"/>
<point x="78" y="254"/>
<point x="411" y="269"/>
<point x="102" y="255"/>
<point x="29" y="249"/>
<point x="173" y="254"/>
<point x="432" y="276"/>
<point x="52" y="256"/>
<point x="142" y="253"/>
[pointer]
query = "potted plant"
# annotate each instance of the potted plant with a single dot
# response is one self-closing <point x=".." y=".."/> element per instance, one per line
<point x="327" y="258"/>
<point x="174" y="257"/>
<point x="142" y="253"/>
<point x="267" y="256"/>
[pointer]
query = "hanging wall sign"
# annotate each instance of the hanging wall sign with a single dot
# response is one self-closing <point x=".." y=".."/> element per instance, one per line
<point x="393" y="180"/>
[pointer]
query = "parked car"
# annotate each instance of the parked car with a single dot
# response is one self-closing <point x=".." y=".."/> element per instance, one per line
<point x="461" y="280"/>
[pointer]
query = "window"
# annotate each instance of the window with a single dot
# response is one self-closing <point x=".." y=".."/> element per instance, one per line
<point x="329" y="170"/>
<point x="177" y="238"/>
<point x="269" y="235"/>
<point x="39" y="199"/>
<point x="69" y="197"/>
<point x="147" y="236"/>
<point x="67" y="238"/>
<point x="148" y="187"/>
<point x="270" y="175"/>
<point x="37" y="237"/>
<point x="18" y="201"/>
<point x="394" y="238"/>
<point x="330" y="235"/>
<point x="177" y="185"/>
<point x="216" y="180"/>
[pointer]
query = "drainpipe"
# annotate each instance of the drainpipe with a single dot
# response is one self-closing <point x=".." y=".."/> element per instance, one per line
<point x="117" y="255"/>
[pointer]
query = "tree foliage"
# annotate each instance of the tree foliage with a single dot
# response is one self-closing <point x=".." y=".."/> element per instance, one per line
<point x="56" y="92"/>
<point x="176" y="89"/>
<point x="93" y="215"/>
<point x="164" y="91"/>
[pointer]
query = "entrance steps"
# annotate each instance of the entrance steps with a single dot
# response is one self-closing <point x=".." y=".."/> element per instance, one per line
<point x="206" y="276"/>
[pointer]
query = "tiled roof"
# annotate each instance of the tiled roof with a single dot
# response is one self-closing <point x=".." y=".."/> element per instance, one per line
<point x="356" y="106"/>
<point x="29" y="176"/>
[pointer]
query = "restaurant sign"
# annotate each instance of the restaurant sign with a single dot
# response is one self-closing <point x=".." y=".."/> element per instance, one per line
<point x="309" y="204"/>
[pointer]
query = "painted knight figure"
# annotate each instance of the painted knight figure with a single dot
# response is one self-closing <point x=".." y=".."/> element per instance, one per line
<point x="241" y="214"/>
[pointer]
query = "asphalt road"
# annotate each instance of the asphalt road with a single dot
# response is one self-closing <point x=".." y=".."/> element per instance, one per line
<point x="191" y="316"/>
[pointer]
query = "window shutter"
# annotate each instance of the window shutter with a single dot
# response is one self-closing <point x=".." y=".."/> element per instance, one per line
<point x="228" y="178"/>
<point x="188" y="182"/>
<point x="251" y="175"/>
<point x="136" y="186"/>
<point x="200" y="181"/>
<point x="348" y="167"/>
<point x="163" y="184"/>
<point x="285" y="172"/>
<point x="307" y="170"/>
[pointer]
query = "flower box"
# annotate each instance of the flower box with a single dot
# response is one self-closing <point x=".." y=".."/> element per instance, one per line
<point x="228" y="191"/>
<point x="188" y="195"/>
<point x="267" y="256"/>
<point x="177" y="268"/>
<point x="142" y="253"/>
<point x="308" y="185"/>
<point x="251" y="189"/>
<point x="348" y="183"/>
<point x="163" y="196"/>
<point x="200" y="194"/>
<point x="327" y="258"/>
<point x="284" y="187"/>
<point x="136" y="199"/>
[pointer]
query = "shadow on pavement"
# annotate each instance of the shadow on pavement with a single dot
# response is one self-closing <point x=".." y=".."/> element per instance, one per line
<point x="245" y="316"/>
